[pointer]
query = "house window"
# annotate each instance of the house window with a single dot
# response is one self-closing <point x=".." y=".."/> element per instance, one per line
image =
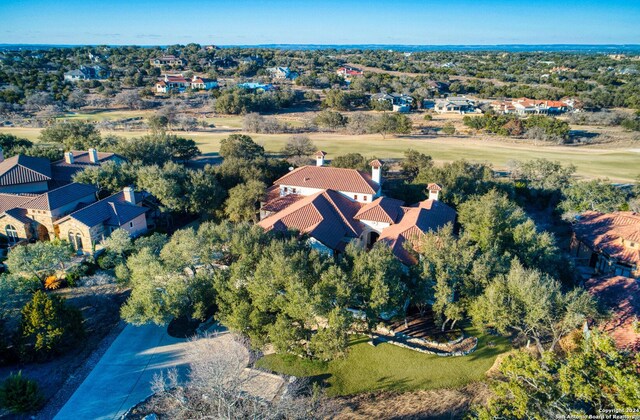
<point x="355" y="197"/>
<point x="364" y="198"/>
<point x="130" y="224"/>
<point x="12" y="233"/>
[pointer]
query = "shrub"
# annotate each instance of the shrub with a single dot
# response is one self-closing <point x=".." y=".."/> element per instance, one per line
<point x="428" y="117"/>
<point x="48" y="325"/>
<point x="449" y="129"/>
<point x="20" y="394"/>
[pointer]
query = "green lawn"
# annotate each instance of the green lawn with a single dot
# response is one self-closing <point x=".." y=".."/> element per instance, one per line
<point x="388" y="367"/>
<point x="617" y="164"/>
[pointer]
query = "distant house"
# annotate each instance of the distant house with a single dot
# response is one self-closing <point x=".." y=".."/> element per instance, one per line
<point x="86" y="228"/>
<point x="253" y="60"/>
<point x="282" y="73"/>
<point x="179" y="83"/>
<point x="399" y="101"/>
<point x="333" y="207"/>
<point x="256" y="87"/>
<point x="203" y="83"/>
<point x="608" y="242"/>
<point x="455" y="105"/>
<point x="223" y="62"/>
<point x="167" y="60"/>
<point x="86" y="73"/>
<point x="24" y="217"/>
<point x="526" y="106"/>
<point x="348" y="72"/>
<point x="171" y="83"/>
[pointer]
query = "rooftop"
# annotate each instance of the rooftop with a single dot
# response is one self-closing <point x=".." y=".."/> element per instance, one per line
<point x="328" y="178"/>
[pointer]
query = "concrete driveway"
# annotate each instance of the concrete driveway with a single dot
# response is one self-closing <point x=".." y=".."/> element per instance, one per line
<point x="122" y="377"/>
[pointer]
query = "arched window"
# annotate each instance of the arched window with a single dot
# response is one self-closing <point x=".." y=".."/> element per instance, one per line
<point x="12" y="233"/>
<point x="78" y="241"/>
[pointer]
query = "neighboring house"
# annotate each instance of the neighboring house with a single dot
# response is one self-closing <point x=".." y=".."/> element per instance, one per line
<point x="86" y="228"/>
<point x="86" y="73"/>
<point x="348" y="71"/>
<point x="76" y="160"/>
<point x="608" y="242"/>
<point x="337" y="206"/>
<point x="24" y="174"/>
<point x="256" y="87"/>
<point x="526" y="106"/>
<point x="282" y="73"/>
<point x="202" y="83"/>
<point x="167" y="60"/>
<point x="399" y="101"/>
<point x="25" y="217"/>
<point x="621" y="295"/>
<point x="179" y="83"/>
<point x="253" y="60"/>
<point x="223" y="63"/>
<point x="455" y="105"/>
<point x="169" y="83"/>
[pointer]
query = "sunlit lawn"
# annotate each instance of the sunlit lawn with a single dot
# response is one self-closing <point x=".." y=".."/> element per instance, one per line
<point x="388" y="367"/>
<point x="617" y="164"/>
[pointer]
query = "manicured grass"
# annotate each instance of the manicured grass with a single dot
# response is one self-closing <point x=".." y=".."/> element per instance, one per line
<point x="617" y="164"/>
<point x="388" y="367"/>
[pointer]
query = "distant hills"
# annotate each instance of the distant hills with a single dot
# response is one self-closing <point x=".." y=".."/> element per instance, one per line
<point x="577" y="48"/>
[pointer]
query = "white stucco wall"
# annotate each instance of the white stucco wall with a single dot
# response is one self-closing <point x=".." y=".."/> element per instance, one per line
<point x="375" y="226"/>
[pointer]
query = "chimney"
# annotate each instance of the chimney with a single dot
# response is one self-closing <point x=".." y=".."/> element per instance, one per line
<point x="320" y="158"/>
<point x="434" y="191"/>
<point x="129" y="195"/>
<point x="1" y="155"/>
<point x="376" y="171"/>
<point x="93" y="155"/>
<point x="68" y="157"/>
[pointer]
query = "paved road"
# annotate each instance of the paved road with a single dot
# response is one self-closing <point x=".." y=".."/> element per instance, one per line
<point x="123" y="375"/>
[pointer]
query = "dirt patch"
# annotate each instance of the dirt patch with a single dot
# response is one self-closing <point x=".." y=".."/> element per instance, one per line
<point x="432" y="404"/>
<point x="100" y="307"/>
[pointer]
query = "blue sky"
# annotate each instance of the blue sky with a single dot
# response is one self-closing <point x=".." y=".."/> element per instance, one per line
<point x="229" y="22"/>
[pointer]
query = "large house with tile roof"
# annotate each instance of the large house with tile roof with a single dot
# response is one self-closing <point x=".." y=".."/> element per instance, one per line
<point x="337" y="206"/>
<point x="24" y="174"/>
<point x="27" y="216"/>
<point x="608" y="242"/>
<point x="87" y="227"/>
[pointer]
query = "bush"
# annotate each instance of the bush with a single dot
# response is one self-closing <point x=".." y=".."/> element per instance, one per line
<point x="48" y="325"/>
<point x="20" y="394"/>
<point x="449" y="129"/>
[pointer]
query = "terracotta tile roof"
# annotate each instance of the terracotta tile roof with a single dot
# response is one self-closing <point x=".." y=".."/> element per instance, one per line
<point x="328" y="178"/>
<point x="428" y="215"/>
<point x="375" y="163"/>
<point x="383" y="209"/>
<point x="280" y="203"/>
<point x="60" y="197"/>
<point x="605" y="232"/>
<point x="622" y="295"/>
<point x="23" y="169"/>
<point x="326" y="216"/>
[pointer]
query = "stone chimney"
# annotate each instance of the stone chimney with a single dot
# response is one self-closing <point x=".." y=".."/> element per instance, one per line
<point x="1" y="155"/>
<point x="68" y="157"/>
<point x="376" y="171"/>
<point x="93" y="155"/>
<point x="320" y="158"/>
<point x="434" y="191"/>
<point x="129" y="195"/>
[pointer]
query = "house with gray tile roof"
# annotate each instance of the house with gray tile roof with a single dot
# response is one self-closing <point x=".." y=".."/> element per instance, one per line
<point x="86" y="228"/>
<point x="24" y="217"/>
<point x="24" y="174"/>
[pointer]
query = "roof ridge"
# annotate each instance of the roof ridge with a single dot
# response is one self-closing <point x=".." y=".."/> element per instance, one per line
<point x="336" y="208"/>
